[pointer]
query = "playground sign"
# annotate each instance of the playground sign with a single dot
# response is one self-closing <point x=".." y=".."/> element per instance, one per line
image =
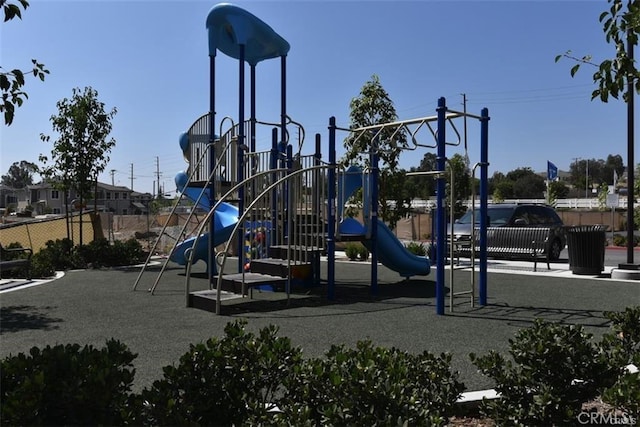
<point x="613" y="200"/>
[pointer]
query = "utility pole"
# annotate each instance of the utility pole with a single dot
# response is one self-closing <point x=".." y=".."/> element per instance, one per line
<point x="131" y="176"/>
<point x="158" y="174"/>
<point x="112" y="172"/>
<point x="586" y="185"/>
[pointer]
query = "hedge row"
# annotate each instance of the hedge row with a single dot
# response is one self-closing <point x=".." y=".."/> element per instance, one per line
<point x="247" y="379"/>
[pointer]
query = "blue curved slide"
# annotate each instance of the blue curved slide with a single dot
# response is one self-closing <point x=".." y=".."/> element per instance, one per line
<point x="225" y="217"/>
<point x="391" y="252"/>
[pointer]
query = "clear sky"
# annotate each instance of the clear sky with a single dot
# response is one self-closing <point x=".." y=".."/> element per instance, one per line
<point x="149" y="59"/>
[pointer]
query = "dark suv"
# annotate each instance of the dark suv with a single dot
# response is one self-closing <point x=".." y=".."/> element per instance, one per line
<point x="516" y="215"/>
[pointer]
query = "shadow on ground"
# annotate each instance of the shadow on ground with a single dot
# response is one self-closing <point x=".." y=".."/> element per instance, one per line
<point x="356" y="297"/>
<point x="524" y="316"/>
<point x="24" y="317"/>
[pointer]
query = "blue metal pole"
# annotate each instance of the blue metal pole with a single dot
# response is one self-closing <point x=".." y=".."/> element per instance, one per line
<point x="373" y="179"/>
<point x="211" y="262"/>
<point x="252" y="143"/>
<point x="484" y="196"/>
<point x="331" y="213"/>
<point x="273" y="164"/>
<point x="241" y="142"/>
<point x="283" y="101"/>
<point x="317" y="205"/>
<point x="440" y="207"/>
<point x="287" y="193"/>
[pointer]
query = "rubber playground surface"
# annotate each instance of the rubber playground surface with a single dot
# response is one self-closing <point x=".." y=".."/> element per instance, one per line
<point x="90" y="307"/>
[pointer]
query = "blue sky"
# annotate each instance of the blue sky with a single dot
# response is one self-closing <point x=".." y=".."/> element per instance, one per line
<point x="149" y="59"/>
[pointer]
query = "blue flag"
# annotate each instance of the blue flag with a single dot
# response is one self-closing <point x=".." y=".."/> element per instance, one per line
<point x="552" y="171"/>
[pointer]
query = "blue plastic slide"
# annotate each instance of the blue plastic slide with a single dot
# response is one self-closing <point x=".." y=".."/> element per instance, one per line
<point x="391" y="252"/>
<point x="225" y="217"/>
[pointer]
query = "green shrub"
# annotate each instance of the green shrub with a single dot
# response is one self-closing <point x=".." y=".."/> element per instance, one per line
<point x="61" y="255"/>
<point x="131" y="252"/>
<point x="622" y="347"/>
<point x="235" y="380"/>
<point x="9" y="255"/>
<point x="623" y="343"/>
<point x="351" y="250"/>
<point x="363" y="253"/>
<point x="356" y="250"/>
<point x="64" y="255"/>
<point x="42" y="265"/>
<point x="539" y="386"/>
<point x="624" y="394"/>
<point x="69" y="385"/>
<point x="416" y="248"/>
<point x="621" y="240"/>
<point x="371" y="386"/>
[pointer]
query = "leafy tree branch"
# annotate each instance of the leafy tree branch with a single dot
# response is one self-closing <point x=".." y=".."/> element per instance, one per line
<point x="621" y="27"/>
<point x="12" y="81"/>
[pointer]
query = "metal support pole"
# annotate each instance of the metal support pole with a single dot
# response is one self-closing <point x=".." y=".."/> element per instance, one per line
<point x="630" y="154"/>
<point x="441" y="217"/>
<point x="331" y="213"/>
<point x="211" y="261"/>
<point x="373" y="179"/>
<point x="252" y="112"/>
<point x="241" y="151"/>
<point x="273" y="164"/>
<point x="283" y="101"/>
<point x="484" y="197"/>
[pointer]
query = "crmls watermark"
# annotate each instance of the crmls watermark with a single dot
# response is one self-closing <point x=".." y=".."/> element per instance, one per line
<point x="600" y="418"/>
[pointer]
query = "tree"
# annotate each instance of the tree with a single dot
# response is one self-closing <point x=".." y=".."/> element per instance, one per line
<point x="599" y="171"/>
<point x="20" y="174"/>
<point x="461" y="183"/>
<point x="423" y="186"/>
<point x="374" y="107"/>
<point x="612" y="164"/>
<point x="526" y="183"/>
<point x="12" y="82"/>
<point x="81" y="151"/>
<point x="620" y="26"/>
<point x="559" y="189"/>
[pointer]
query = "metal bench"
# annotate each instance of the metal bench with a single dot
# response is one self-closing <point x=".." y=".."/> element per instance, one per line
<point x="512" y="242"/>
<point x="13" y="259"/>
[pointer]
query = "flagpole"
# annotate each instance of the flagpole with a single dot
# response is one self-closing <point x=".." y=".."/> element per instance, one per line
<point x="548" y="196"/>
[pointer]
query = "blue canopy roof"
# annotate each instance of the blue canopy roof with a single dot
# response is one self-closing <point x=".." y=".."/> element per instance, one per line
<point x="230" y="26"/>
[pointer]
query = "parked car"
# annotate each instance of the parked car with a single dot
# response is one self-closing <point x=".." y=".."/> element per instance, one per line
<point x="514" y="215"/>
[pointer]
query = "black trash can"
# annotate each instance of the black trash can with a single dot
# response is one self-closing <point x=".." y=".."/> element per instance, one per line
<point x="585" y="244"/>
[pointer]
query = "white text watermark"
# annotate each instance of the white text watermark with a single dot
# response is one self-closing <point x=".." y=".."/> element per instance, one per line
<point x="603" y="418"/>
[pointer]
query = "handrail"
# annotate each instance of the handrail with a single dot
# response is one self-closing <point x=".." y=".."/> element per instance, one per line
<point x="232" y="129"/>
<point x="244" y="215"/>
<point x="155" y="245"/>
<point x="207" y="219"/>
<point x="289" y="120"/>
<point x="188" y="221"/>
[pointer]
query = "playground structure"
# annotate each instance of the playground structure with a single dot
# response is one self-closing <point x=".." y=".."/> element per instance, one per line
<point x="282" y="209"/>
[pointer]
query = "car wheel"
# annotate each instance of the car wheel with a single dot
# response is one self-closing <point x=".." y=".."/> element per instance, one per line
<point x="554" y="250"/>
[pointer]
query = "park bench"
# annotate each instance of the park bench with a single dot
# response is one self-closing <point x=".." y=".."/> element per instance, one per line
<point x="14" y="258"/>
<point x="514" y="242"/>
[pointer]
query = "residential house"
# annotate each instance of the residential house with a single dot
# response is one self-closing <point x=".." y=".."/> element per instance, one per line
<point x="16" y="199"/>
<point x="110" y="198"/>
